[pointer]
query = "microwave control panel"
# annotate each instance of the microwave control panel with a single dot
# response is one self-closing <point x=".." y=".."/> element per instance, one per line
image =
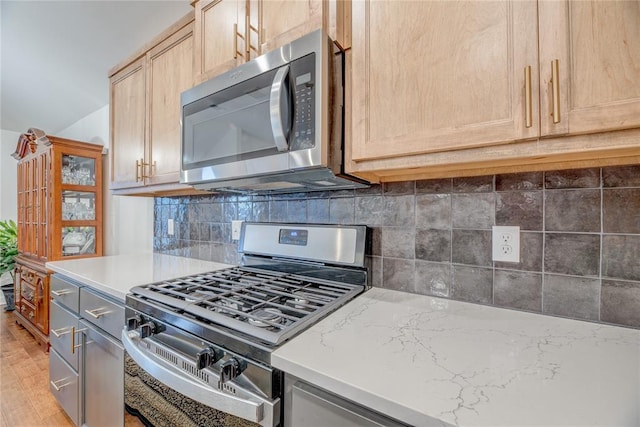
<point x="303" y="82"/>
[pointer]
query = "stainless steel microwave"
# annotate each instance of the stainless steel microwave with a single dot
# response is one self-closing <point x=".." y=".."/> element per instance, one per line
<point x="274" y="124"/>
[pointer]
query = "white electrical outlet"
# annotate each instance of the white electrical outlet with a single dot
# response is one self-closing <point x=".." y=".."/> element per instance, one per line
<point x="506" y="243"/>
<point x="170" y="230"/>
<point x="236" y="226"/>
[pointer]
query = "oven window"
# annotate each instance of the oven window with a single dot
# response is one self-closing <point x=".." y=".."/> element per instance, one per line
<point x="155" y="404"/>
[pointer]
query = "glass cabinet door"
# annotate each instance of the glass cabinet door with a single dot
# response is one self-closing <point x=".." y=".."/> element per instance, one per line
<point x="78" y="241"/>
<point x="78" y="170"/>
<point x="78" y="205"/>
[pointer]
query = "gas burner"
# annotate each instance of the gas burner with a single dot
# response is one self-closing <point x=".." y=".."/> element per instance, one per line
<point x="263" y="315"/>
<point x="225" y="306"/>
<point x="199" y="296"/>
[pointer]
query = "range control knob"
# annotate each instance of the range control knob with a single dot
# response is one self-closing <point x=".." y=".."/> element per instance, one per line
<point x="134" y="322"/>
<point x="231" y="369"/>
<point x="208" y="357"/>
<point x="147" y="329"/>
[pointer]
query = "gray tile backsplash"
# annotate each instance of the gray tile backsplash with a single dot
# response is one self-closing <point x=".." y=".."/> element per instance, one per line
<point x="579" y="241"/>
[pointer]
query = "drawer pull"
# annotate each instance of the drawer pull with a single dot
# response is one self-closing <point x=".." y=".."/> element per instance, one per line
<point x="61" y="386"/>
<point x="60" y="332"/>
<point x="96" y="312"/>
<point x="74" y="331"/>
<point x="62" y="292"/>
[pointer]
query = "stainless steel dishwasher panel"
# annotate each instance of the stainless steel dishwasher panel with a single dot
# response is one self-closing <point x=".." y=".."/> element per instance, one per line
<point x="103" y="382"/>
<point x="310" y="406"/>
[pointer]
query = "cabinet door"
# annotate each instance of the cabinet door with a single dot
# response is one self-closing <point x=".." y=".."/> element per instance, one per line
<point x="440" y="76"/>
<point x="128" y="101"/>
<point x="278" y="28"/>
<point x="597" y="46"/>
<point x="102" y="379"/>
<point x="169" y="73"/>
<point x="219" y="32"/>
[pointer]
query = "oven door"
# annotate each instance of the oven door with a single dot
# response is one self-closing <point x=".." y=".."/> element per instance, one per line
<point x="163" y="387"/>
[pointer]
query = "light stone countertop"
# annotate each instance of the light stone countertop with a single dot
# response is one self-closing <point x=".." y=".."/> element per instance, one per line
<point x="430" y="361"/>
<point x="116" y="274"/>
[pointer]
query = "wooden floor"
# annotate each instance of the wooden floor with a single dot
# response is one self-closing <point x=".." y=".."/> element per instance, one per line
<point x="25" y="400"/>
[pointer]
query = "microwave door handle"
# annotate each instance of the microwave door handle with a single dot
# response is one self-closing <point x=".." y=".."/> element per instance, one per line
<point x="275" y="113"/>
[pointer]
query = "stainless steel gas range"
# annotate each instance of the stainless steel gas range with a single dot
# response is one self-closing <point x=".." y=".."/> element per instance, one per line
<point x="203" y="343"/>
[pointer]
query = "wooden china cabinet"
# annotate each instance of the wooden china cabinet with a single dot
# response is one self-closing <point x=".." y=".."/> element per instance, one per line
<point x="59" y="217"/>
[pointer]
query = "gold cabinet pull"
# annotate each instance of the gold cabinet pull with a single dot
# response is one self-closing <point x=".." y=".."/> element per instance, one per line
<point x="60" y="332"/>
<point x="59" y="387"/>
<point x="555" y="89"/>
<point x="250" y="28"/>
<point x="74" y="331"/>
<point x="527" y="97"/>
<point x="236" y="34"/>
<point x="138" y="167"/>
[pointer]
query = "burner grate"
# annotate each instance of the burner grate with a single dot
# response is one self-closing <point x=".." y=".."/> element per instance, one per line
<point x="239" y="297"/>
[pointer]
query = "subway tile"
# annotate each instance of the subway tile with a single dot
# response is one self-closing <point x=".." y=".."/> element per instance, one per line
<point x="519" y="181"/>
<point x="620" y="302"/>
<point x="517" y="289"/>
<point x="576" y="254"/>
<point x="297" y="211"/>
<point x="434" y="186"/>
<point x="318" y="211"/>
<point x="399" y="211"/>
<point x="398" y="274"/>
<point x="210" y="212"/>
<point x="433" y="278"/>
<point x="375" y="271"/>
<point x="471" y="247"/>
<point x="621" y="257"/>
<point x="217" y="232"/>
<point x="376" y="241"/>
<point x="472" y="284"/>
<point x="621" y="176"/>
<point x="621" y="210"/>
<point x="342" y="211"/>
<point x="278" y="210"/>
<point x="572" y="178"/>
<point x="398" y="188"/>
<point x="474" y="184"/>
<point x="474" y="211"/>
<point x="398" y="242"/>
<point x="260" y="211"/>
<point x="369" y="210"/>
<point x="244" y="211"/>
<point x="530" y="254"/>
<point x="521" y="208"/>
<point x="433" y="245"/>
<point x="230" y="211"/>
<point x="572" y="210"/>
<point x="373" y="189"/>
<point x="576" y="297"/>
<point x="433" y="211"/>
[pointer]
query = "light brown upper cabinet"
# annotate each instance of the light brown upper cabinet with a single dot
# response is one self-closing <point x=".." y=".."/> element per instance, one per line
<point x="467" y="88"/>
<point x="596" y="46"/>
<point x="231" y="32"/>
<point x="145" y="113"/>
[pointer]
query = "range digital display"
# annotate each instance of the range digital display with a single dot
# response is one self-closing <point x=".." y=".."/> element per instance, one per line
<point x="295" y="237"/>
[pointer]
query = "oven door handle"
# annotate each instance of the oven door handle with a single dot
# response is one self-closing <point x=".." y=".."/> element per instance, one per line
<point x="249" y="406"/>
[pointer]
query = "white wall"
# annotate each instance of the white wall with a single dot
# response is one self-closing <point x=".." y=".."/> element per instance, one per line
<point x="8" y="175"/>
<point x="128" y="221"/>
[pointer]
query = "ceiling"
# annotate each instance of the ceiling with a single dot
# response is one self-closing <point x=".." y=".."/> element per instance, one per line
<point x="55" y="55"/>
